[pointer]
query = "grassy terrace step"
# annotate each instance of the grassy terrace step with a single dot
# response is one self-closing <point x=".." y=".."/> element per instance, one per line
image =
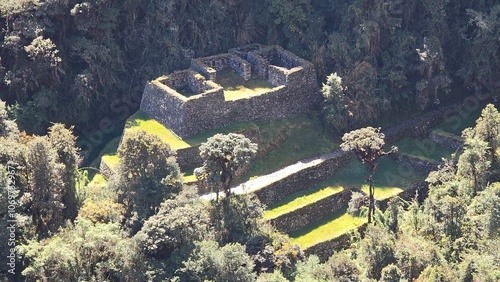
<point x="456" y="123"/>
<point x="141" y="121"/>
<point x="387" y="184"/>
<point x="423" y="147"/>
<point x="301" y="199"/>
<point x="285" y="141"/>
<point x="326" y="229"/>
<point x="390" y="180"/>
<point x="235" y="87"/>
<point x="390" y="177"/>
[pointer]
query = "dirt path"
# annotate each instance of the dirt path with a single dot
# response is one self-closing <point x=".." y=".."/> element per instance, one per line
<point x="414" y="126"/>
<point x="265" y="180"/>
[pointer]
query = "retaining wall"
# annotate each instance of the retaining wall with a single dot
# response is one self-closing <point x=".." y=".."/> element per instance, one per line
<point x="315" y="171"/>
<point x="189" y="158"/>
<point x="325" y="250"/>
<point x="209" y="66"/>
<point x="299" y="218"/>
<point x="418" y="125"/>
<point x="105" y="170"/>
<point x="446" y="139"/>
<point x="416" y="162"/>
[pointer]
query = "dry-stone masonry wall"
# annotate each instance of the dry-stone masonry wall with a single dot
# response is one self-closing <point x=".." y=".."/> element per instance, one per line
<point x="416" y="162"/>
<point x="446" y="139"/>
<point x="306" y="174"/>
<point x="325" y="250"/>
<point x="209" y="66"/>
<point x="299" y="218"/>
<point x="295" y="91"/>
<point x="105" y="170"/>
<point x="189" y="158"/>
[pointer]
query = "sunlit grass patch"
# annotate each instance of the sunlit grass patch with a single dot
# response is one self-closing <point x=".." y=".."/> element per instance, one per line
<point x="382" y="192"/>
<point x="141" y="121"/>
<point x="235" y="87"/>
<point x="390" y="177"/>
<point x="189" y="178"/>
<point x="98" y="180"/>
<point x="326" y="229"/>
<point x="111" y="160"/>
<point x="299" y="200"/>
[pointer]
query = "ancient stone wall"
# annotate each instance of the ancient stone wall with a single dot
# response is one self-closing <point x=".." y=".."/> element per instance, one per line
<point x="416" y="162"/>
<point x="418" y="126"/>
<point x="189" y="158"/>
<point x="446" y="139"/>
<point x="325" y="250"/>
<point x="186" y="79"/>
<point x="243" y="51"/>
<point x="304" y="178"/>
<point x="209" y="66"/>
<point x="164" y="105"/>
<point x="105" y="170"/>
<point x="299" y="218"/>
<point x="295" y="92"/>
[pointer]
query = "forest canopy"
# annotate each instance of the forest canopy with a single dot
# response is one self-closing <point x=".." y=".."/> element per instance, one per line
<point x="75" y="61"/>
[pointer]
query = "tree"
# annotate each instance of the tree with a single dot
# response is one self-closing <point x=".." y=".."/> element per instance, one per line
<point x="390" y="273"/>
<point x="484" y="211"/>
<point x="473" y="163"/>
<point x="179" y="222"/>
<point x="46" y="186"/>
<point x="84" y="252"/>
<point x="376" y="251"/>
<point x="223" y="155"/>
<point x="209" y="262"/>
<point x="147" y="173"/>
<point x="367" y="144"/>
<point x="351" y="100"/>
<point x="488" y="129"/>
<point x="8" y="128"/>
<point x="64" y="142"/>
<point x="237" y="219"/>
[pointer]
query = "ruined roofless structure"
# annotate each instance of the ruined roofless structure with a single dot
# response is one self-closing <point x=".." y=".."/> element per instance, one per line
<point x="193" y="101"/>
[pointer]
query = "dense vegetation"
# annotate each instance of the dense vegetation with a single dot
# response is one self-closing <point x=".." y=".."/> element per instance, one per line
<point x="144" y="224"/>
<point x="76" y="61"/>
<point x="66" y="63"/>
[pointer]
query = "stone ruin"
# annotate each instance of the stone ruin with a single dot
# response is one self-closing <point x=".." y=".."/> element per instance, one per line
<point x="191" y="101"/>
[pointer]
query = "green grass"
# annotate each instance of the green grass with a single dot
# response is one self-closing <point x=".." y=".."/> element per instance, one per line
<point x="301" y="199"/>
<point x="98" y="179"/>
<point x="189" y="178"/>
<point x="141" y="121"/>
<point x="111" y="160"/>
<point x="235" y="127"/>
<point x="390" y="178"/>
<point x="288" y="141"/>
<point x="326" y="229"/>
<point x="423" y="147"/>
<point x="235" y="87"/>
